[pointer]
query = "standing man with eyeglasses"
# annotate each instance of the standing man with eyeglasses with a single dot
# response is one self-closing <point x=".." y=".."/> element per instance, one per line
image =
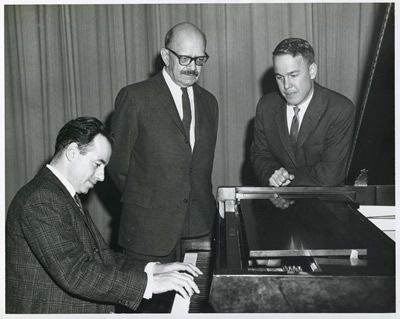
<point x="165" y="134"/>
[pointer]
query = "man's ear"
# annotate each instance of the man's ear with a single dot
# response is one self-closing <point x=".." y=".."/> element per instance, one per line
<point x="72" y="151"/>
<point x="313" y="70"/>
<point x="165" y="56"/>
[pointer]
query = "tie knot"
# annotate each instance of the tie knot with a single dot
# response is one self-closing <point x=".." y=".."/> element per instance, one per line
<point x="78" y="200"/>
<point x="184" y="90"/>
<point x="296" y="110"/>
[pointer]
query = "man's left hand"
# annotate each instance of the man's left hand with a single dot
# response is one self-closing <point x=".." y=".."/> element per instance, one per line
<point x="176" y="266"/>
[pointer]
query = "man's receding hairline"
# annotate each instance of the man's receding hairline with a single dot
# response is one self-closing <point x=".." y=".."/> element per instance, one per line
<point x="182" y="27"/>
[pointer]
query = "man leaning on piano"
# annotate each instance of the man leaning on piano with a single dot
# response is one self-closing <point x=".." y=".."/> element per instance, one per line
<point x="302" y="136"/>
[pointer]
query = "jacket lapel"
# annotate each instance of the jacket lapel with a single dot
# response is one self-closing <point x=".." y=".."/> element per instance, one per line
<point x="199" y="118"/>
<point x="165" y="99"/>
<point x="312" y="116"/>
<point x="94" y="232"/>
<point x="46" y="173"/>
<point x="280" y="117"/>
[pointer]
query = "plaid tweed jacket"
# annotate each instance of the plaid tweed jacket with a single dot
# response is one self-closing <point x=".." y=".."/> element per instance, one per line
<point x="57" y="261"/>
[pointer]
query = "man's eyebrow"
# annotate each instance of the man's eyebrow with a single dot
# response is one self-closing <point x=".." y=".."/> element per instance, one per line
<point x="291" y="72"/>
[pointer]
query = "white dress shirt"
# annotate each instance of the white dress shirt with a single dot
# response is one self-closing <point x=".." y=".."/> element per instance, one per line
<point x="303" y="108"/>
<point x="176" y="93"/>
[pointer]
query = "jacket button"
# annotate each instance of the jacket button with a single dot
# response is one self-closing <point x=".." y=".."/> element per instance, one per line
<point x="95" y="250"/>
<point x="185" y="201"/>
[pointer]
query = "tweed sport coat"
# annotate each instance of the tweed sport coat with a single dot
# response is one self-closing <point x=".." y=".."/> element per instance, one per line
<point x="323" y="143"/>
<point x="153" y="166"/>
<point x="57" y="261"/>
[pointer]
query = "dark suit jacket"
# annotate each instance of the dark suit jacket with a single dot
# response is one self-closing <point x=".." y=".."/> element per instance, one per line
<point x="153" y="166"/>
<point x="323" y="143"/>
<point x="56" y="262"/>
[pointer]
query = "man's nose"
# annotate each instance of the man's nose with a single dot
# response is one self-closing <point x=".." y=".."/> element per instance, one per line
<point x="192" y="65"/>
<point x="100" y="174"/>
<point x="286" y="83"/>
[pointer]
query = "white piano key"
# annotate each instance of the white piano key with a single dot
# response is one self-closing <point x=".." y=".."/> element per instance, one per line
<point x="181" y="305"/>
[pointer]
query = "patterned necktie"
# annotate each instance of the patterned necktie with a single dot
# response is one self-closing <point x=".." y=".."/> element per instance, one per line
<point x="79" y="203"/>
<point x="187" y="114"/>
<point x="294" y="128"/>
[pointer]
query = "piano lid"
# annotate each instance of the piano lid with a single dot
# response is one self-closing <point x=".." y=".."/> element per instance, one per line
<point x="373" y="143"/>
<point x="307" y="227"/>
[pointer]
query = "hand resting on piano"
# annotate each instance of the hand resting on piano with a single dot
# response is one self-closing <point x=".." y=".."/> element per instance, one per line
<point x="281" y="177"/>
<point x="175" y="276"/>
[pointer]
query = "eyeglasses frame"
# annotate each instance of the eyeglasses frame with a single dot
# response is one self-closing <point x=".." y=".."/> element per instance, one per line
<point x="195" y="59"/>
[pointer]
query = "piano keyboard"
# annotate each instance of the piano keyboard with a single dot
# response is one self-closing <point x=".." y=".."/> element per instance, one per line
<point x="198" y="302"/>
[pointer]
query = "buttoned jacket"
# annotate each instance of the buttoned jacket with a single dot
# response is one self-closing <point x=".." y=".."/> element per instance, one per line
<point x="323" y="143"/>
<point x="162" y="181"/>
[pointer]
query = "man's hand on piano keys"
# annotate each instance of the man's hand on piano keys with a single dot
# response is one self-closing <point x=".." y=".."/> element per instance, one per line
<point x="185" y="267"/>
<point x="177" y="277"/>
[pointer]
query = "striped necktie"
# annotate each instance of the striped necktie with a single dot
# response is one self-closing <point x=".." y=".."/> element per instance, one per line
<point x="79" y="203"/>
<point x="294" y="128"/>
<point x="187" y="114"/>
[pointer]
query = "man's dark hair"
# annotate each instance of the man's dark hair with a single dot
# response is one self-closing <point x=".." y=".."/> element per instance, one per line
<point x="295" y="47"/>
<point x="170" y="34"/>
<point x="82" y="131"/>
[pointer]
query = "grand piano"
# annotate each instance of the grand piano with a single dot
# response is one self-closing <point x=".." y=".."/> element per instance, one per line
<point x="293" y="250"/>
<point x="310" y="249"/>
<point x="299" y="250"/>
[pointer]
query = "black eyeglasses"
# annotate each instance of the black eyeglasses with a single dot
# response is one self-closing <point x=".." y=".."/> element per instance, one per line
<point x="185" y="60"/>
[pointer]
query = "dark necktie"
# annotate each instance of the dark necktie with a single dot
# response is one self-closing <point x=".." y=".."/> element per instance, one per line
<point x="294" y="128"/>
<point x="187" y="114"/>
<point x="79" y="203"/>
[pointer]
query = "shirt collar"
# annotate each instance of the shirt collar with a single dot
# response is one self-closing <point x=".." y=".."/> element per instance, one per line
<point x="174" y="88"/>
<point x="63" y="180"/>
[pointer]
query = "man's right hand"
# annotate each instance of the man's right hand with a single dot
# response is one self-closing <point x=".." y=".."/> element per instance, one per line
<point x="281" y="177"/>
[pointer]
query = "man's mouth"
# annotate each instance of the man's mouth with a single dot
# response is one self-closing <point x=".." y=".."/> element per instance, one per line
<point x="190" y="73"/>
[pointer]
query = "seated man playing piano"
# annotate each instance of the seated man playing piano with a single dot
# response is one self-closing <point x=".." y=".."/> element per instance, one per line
<point x="56" y="259"/>
<point x="302" y="134"/>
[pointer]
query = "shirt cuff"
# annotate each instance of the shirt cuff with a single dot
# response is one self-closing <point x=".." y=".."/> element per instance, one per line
<point x="148" y="293"/>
